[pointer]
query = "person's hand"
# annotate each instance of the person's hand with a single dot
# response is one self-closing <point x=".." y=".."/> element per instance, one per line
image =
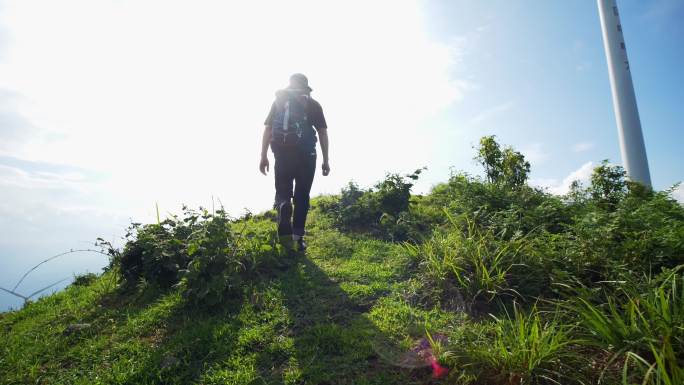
<point x="263" y="165"/>
<point x="326" y="168"/>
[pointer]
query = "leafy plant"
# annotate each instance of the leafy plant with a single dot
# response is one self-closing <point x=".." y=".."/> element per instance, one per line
<point x="221" y="257"/>
<point x="608" y="184"/>
<point x="506" y="167"/>
<point x="639" y="233"/>
<point x="505" y="211"/>
<point x="154" y="252"/>
<point x="208" y="254"/>
<point x="383" y="210"/>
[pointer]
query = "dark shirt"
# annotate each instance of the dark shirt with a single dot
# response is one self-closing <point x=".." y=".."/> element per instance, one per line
<point x="314" y="113"/>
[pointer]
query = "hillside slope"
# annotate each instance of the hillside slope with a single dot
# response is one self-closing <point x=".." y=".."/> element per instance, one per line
<point x="320" y="320"/>
<point x="482" y="281"/>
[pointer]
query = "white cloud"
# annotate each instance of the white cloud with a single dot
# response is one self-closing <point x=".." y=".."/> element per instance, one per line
<point x="582" y="175"/>
<point x="12" y="176"/>
<point x="50" y="178"/>
<point x="15" y="128"/>
<point x="491" y="112"/>
<point x="534" y="153"/>
<point x="678" y="193"/>
<point x="583" y="146"/>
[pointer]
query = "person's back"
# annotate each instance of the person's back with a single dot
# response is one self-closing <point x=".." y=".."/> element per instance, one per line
<point x="290" y="130"/>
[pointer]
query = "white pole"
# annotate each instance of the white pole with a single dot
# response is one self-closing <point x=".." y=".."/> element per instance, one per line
<point x="624" y="102"/>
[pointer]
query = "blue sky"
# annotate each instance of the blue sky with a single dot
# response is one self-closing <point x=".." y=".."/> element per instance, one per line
<point x="543" y="85"/>
<point x="110" y="107"/>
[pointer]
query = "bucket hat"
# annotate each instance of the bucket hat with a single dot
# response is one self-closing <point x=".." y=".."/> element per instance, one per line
<point x="299" y="82"/>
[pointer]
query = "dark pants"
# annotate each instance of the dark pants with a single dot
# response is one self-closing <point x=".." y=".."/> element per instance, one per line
<point x="296" y="167"/>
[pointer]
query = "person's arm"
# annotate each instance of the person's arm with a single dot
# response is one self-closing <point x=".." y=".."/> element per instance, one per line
<point x="265" y="141"/>
<point x="323" y="136"/>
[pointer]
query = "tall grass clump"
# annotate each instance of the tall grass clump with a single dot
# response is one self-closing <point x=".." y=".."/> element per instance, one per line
<point x="638" y="324"/>
<point x="666" y="369"/>
<point x="468" y="262"/>
<point x="524" y="348"/>
<point x="608" y="255"/>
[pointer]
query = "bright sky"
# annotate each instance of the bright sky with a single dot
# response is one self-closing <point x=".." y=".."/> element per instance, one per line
<point x="108" y="107"/>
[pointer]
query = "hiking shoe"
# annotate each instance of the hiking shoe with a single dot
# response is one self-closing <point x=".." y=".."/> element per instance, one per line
<point x="285" y="218"/>
<point x="301" y="245"/>
<point x="286" y="242"/>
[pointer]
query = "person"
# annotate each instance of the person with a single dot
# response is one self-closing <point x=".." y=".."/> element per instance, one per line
<point x="290" y="130"/>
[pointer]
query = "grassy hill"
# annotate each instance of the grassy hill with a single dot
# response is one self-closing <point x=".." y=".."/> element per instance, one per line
<point x="482" y="281"/>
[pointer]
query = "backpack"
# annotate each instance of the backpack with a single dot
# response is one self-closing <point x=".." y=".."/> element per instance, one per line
<point x="290" y="126"/>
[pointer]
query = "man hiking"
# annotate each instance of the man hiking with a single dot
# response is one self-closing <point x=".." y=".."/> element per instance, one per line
<point x="289" y="130"/>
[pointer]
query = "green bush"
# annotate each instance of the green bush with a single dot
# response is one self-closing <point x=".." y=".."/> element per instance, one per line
<point x="505" y="167"/>
<point x="153" y="253"/>
<point x="608" y="185"/>
<point x="84" y="279"/>
<point x="505" y="211"/>
<point x="208" y="254"/>
<point x="223" y="256"/>
<point x="625" y="230"/>
<point x="611" y="230"/>
<point x="214" y="267"/>
<point x="383" y="211"/>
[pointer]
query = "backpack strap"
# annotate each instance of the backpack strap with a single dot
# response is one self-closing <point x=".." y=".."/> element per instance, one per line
<point x="286" y="117"/>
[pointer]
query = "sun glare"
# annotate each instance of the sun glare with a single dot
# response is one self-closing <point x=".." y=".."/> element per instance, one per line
<point x="167" y="100"/>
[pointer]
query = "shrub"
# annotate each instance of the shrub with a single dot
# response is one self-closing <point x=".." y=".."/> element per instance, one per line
<point x="505" y="167"/>
<point x="84" y="279"/>
<point x="639" y="233"/>
<point x="505" y="211"/>
<point x="383" y="211"/>
<point x="153" y="252"/>
<point x="608" y="186"/>
<point x="209" y="254"/>
<point x="221" y="258"/>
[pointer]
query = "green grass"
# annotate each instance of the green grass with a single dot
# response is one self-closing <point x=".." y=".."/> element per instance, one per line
<point x="639" y="329"/>
<point x="315" y="322"/>
<point x="500" y="284"/>
<point x="347" y="313"/>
